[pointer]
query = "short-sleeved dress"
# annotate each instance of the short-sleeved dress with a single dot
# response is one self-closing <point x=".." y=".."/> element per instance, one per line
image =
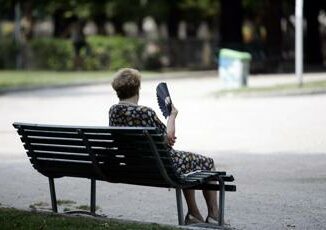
<point x="135" y="115"/>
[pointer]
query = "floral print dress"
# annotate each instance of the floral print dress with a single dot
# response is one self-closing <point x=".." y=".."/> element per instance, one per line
<point x="127" y="114"/>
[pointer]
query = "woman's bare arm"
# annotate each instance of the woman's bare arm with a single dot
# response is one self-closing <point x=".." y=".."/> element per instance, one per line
<point x="171" y="126"/>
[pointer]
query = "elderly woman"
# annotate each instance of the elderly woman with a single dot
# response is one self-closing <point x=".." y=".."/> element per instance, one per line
<point x="128" y="113"/>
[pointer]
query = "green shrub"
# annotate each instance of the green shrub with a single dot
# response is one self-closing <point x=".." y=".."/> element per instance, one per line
<point x="113" y="53"/>
<point x="8" y="52"/>
<point x="102" y="53"/>
<point x="52" y="54"/>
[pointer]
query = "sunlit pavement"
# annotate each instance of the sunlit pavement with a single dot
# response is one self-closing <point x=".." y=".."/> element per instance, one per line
<point x="274" y="146"/>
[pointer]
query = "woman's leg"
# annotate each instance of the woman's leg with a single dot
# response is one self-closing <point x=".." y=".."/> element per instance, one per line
<point x="211" y="201"/>
<point x="191" y="203"/>
<point x="191" y="162"/>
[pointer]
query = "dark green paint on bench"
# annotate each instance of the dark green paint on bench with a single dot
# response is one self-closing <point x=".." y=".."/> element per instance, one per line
<point x="131" y="155"/>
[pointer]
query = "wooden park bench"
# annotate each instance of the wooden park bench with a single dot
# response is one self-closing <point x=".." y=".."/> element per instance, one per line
<point x="130" y="155"/>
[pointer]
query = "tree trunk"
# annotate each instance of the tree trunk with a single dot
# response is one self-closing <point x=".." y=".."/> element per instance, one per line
<point x="60" y="23"/>
<point x="28" y="14"/>
<point x="118" y="26"/>
<point x="312" y="43"/>
<point x="231" y="24"/>
<point x="173" y="20"/>
<point x="192" y="27"/>
<point x="100" y="20"/>
<point x="140" y="26"/>
<point x="272" y="21"/>
<point x="98" y="14"/>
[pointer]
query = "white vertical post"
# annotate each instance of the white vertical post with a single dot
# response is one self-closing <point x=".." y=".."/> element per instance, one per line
<point x="299" y="41"/>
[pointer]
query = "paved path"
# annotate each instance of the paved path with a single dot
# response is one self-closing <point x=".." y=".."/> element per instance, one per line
<point x="274" y="146"/>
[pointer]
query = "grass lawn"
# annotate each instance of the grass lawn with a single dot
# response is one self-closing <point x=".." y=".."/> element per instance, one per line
<point x="16" y="219"/>
<point x="20" y="79"/>
<point x="14" y="79"/>
<point x="276" y="89"/>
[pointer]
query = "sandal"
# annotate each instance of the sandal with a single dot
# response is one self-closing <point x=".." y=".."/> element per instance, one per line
<point x="190" y="219"/>
<point x="211" y="220"/>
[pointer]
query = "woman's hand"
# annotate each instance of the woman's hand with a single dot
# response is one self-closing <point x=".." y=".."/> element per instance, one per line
<point x="171" y="139"/>
<point x="171" y="126"/>
<point x="174" y="111"/>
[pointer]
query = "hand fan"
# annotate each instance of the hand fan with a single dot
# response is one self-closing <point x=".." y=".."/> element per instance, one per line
<point x="164" y="99"/>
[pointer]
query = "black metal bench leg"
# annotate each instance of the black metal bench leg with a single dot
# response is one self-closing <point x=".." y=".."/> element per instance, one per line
<point x="221" y="203"/>
<point x="93" y="196"/>
<point x="179" y="206"/>
<point x="53" y="197"/>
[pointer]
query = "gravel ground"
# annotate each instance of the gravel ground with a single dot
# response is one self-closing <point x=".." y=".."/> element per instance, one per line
<point x="274" y="147"/>
<point x="274" y="191"/>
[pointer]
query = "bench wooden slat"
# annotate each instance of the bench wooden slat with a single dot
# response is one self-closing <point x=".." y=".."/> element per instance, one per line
<point x="119" y="130"/>
<point x="131" y="157"/>
<point x="64" y="166"/>
<point x="90" y="135"/>
<point x="136" y="180"/>
<point x="55" y="141"/>
<point x="228" y="178"/>
<point x="55" y="173"/>
<point x="52" y="155"/>
<point x="223" y="175"/>
<point x="137" y="175"/>
<point x="87" y="129"/>
<point x="101" y="143"/>
<point x="156" y="137"/>
<point x="206" y="172"/>
<point x="200" y="178"/>
<point x="211" y="175"/>
<point x="37" y="133"/>
<point x="66" y="149"/>
<point x="150" y="183"/>
<point x="134" y="168"/>
<point x="228" y="187"/>
<point x="141" y="160"/>
<point x="126" y="144"/>
<point x="130" y="152"/>
<point x="144" y="159"/>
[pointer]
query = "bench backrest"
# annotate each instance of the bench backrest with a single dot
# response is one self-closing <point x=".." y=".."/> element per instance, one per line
<point x="133" y="155"/>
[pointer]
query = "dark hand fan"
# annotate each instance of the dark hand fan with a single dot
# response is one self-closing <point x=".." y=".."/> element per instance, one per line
<point x="164" y="99"/>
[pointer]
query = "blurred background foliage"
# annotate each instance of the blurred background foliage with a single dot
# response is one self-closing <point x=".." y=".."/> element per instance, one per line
<point x="156" y="34"/>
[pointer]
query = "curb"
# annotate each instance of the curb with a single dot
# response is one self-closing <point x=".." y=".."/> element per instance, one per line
<point x="290" y="93"/>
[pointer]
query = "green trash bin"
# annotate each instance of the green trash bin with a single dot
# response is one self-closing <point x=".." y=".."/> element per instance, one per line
<point x="234" y="68"/>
